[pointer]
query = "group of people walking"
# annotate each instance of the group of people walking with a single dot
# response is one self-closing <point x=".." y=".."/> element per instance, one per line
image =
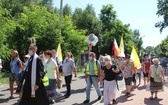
<point x="30" y="73"/>
<point x="106" y="69"/>
<point x="103" y="71"/>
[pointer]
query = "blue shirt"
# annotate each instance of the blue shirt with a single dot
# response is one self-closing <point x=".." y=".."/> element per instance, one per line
<point x="15" y="66"/>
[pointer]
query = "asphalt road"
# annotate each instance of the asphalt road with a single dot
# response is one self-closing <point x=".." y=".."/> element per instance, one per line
<point x="77" y="97"/>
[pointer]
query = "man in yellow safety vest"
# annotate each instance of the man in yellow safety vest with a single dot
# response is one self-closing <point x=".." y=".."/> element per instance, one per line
<point x="92" y="75"/>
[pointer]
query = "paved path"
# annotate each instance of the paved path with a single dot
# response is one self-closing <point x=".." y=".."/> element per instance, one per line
<point x="139" y="96"/>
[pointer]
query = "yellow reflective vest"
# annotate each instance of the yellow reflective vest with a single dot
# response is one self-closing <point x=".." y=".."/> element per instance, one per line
<point x="45" y="80"/>
<point x="95" y="68"/>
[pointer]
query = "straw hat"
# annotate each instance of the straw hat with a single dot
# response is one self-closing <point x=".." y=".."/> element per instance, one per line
<point x="156" y="60"/>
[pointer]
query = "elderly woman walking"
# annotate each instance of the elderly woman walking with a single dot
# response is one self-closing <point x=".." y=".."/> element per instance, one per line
<point x="109" y="72"/>
<point x="156" y="77"/>
<point x="129" y="70"/>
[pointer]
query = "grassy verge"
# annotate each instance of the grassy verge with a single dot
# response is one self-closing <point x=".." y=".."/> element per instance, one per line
<point x="4" y="78"/>
<point x="80" y="70"/>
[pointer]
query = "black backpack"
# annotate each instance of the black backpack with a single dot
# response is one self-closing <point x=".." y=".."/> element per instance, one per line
<point x="119" y="76"/>
<point x="60" y="68"/>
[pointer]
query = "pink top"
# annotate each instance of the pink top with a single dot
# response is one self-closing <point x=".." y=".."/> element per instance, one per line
<point x="146" y="65"/>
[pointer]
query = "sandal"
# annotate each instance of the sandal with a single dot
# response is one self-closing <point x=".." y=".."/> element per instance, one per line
<point x="11" y="97"/>
<point x="52" y="101"/>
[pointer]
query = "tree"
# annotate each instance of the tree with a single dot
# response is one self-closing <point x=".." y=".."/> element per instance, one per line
<point x="107" y="16"/>
<point x="6" y="28"/>
<point x="137" y="40"/>
<point x="67" y="11"/>
<point x="77" y="16"/>
<point x="73" y="39"/>
<point x="15" y="7"/>
<point x="35" y="22"/>
<point x="149" y="49"/>
<point x="47" y="3"/>
<point x="113" y="28"/>
<point x="164" y="47"/>
<point x="86" y="19"/>
<point x="162" y="6"/>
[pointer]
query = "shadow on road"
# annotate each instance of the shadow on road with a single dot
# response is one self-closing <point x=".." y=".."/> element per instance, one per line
<point x="9" y="89"/>
<point x="148" y="101"/>
<point x="165" y="83"/>
<point x="81" y="77"/>
<point x="124" y="98"/>
<point x="16" y="103"/>
<point x="4" y="100"/>
<point x="2" y="95"/>
<point x="141" y="88"/>
<point x="76" y="91"/>
<point x="91" y="103"/>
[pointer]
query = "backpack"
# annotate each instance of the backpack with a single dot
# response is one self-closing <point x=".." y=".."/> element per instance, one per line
<point x="119" y="76"/>
<point x="60" y="67"/>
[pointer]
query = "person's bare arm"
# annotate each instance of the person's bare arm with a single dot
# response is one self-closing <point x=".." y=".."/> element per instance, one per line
<point x="57" y="73"/>
<point x="102" y="77"/>
<point x="149" y="75"/>
<point x="20" y="64"/>
<point x="162" y="74"/>
<point x="99" y="72"/>
<point x="122" y="66"/>
<point x="75" y="72"/>
<point x="133" y="68"/>
<point x="116" y="70"/>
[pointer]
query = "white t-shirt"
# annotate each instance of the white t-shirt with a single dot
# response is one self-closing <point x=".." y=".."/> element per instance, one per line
<point x="68" y="67"/>
<point x="50" y="68"/>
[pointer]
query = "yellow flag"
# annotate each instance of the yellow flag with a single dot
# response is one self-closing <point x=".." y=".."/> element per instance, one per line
<point x="135" y="58"/>
<point x="121" y="48"/>
<point x="59" y="52"/>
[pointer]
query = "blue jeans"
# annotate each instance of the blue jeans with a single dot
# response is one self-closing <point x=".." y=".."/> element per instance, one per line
<point x="92" y="80"/>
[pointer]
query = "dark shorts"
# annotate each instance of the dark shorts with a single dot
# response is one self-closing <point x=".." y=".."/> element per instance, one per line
<point x="145" y="74"/>
<point x="128" y="81"/>
<point x="14" y="77"/>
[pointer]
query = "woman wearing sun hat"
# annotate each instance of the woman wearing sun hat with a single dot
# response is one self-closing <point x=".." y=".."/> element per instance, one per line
<point x="156" y="77"/>
<point x="108" y="76"/>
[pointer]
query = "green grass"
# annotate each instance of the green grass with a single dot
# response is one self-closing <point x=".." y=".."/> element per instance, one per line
<point x="80" y="70"/>
<point x="4" y="78"/>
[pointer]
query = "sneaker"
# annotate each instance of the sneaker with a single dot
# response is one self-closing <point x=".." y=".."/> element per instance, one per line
<point x="128" y="94"/>
<point x="66" y="96"/>
<point x="52" y="101"/>
<point x="99" y="98"/>
<point x="151" y="97"/>
<point x="114" y="102"/>
<point x="86" y="101"/>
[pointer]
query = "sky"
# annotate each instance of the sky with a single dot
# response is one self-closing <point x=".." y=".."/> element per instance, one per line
<point x="140" y="14"/>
